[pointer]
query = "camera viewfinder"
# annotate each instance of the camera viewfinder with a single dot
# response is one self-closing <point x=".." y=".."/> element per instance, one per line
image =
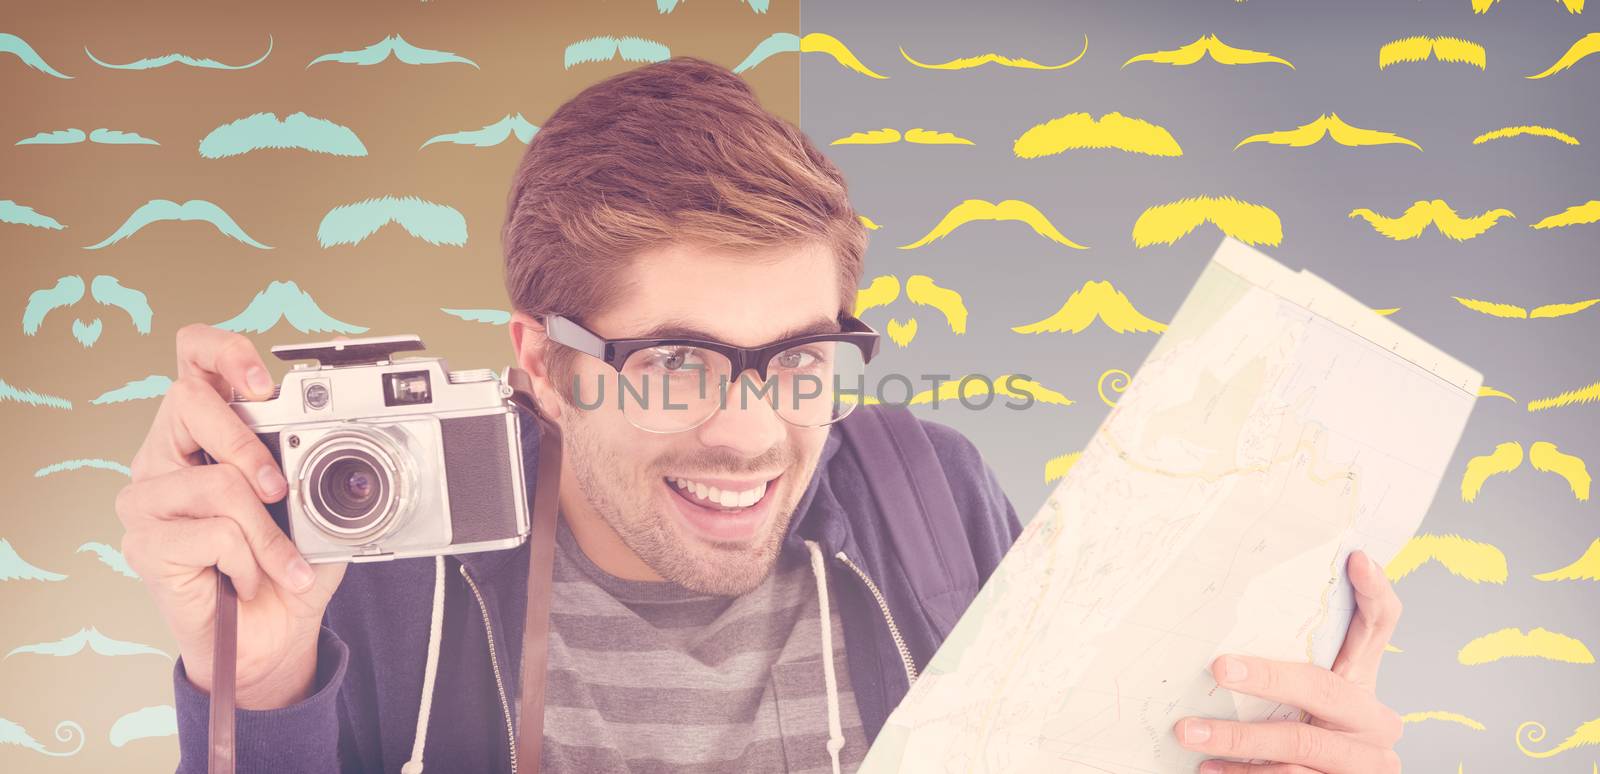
<point x="408" y="388"/>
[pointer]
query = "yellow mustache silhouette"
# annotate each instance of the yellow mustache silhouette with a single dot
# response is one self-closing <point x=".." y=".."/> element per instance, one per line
<point x="920" y="289"/>
<point x="1005" y="385"/>
<point x="1576" y="215"/>
<point x="1512" y="643"/>
<point x="1209" y="45"/>
<point x="1505" y="458"/>
<point x="1094" y="301"/>
<point x="901" y="333"/>
<point x="1056" y="467"/>
<point x="1490" y="392"/>
<point x="1523" y="313"/>
<point x="1587" y="567"/>
<point x="823" y="43"/>
<point x="979" y="209"/>
<point x="1586" y="735"/>
<point x="1328" y="125"/>
<point x="1543" y="455"/>
<point x="1165" y="224"/>
<point x="1586" y="45"/>
<point x="866" y="221"/>
<point x="1516" y="131"/>
<point x="1590" y="394"/>
<point x="1450" y="717"/>
<point x="882" y="291"/>
<point x="1081" y="130"/>
<point x="1421" y="213"/>
<point x="1482" y="6"/>
<point x="979" y="61"/>
<point x="1119" y="381"/>
<point x="1445" y="49"/>
<point x="1469" y="559"/>
<point x="888" y="135"/>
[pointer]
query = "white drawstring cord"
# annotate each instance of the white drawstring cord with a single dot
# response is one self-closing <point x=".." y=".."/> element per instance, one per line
<point x="435" y="626"/>
<point x="835" y="728"/>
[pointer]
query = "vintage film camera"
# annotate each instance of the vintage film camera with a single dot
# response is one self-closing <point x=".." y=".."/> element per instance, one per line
<point x="392" y="458"/>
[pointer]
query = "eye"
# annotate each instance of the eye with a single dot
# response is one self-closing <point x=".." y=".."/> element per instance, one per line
<point x="796" y="359"/>
<point x="675" y="359"/>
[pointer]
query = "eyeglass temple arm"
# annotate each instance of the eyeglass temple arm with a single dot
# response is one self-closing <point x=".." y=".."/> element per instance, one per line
<point x="564" y="331"/>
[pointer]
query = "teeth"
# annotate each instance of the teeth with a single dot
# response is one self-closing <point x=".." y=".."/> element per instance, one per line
<point x="715" y="496"/>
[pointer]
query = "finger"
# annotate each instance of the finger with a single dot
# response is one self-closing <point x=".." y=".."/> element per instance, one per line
<point x="161" y="548"/>
<point x="1321" y="692"/>
<point x="217" y="490"/>
<point x="1235" y="767"/>
<point x="1320" y="749"/>
<point x="1377" y="613"/>
<point x="194" y="418"/>
<point x="223" y="359"/>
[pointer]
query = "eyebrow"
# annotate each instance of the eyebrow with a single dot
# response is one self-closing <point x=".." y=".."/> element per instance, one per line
<point x="679" y="328"/>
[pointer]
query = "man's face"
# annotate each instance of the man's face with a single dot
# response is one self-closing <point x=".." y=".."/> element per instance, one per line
<point x="644" y="486"/>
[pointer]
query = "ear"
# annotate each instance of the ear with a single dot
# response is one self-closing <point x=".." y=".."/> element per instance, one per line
<point x="530" y="344"/>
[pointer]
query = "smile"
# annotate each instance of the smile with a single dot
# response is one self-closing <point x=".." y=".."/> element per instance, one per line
<point x="722" y="510"/>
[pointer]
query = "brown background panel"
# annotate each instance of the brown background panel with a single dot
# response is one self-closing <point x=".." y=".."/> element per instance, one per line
<point x="390" y="282"/>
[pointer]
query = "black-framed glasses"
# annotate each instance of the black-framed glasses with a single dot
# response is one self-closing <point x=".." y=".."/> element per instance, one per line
<point x="675" y="383"/>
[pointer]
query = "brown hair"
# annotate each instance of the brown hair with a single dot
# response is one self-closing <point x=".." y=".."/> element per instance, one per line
<point x="678" y="151"/>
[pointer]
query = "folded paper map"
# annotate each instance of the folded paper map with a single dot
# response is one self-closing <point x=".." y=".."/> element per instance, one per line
<point x="1278" y="425"/>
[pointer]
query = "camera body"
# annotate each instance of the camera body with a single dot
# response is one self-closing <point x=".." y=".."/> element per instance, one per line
<point x="391" y="458"/>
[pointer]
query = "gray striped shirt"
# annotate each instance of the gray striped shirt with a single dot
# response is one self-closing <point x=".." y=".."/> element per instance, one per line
<point x="648" y="676"/>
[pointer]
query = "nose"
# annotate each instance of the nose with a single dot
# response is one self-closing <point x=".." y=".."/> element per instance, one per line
<point x="747" y="422"/>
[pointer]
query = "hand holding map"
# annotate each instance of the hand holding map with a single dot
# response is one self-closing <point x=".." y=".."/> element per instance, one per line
<point x="1277" y="426"/>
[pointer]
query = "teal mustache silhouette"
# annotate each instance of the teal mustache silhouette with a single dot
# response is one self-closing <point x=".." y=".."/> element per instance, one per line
<point x="149" y="722"/>
<point x="166" y="209"/>
<point x="603" y="48"/>
<point x="436" y="224"/>
<point x="493" y="134"/>
<point x="11" y="44"/>
<point x="79" y="464"/>
<point x="91" y="638"/>
<point x="68" y="290"/>
<point x="399" y="48"/>
<point x="14" y="567"/>
<point x="490" y="316"/>
<point x="11" y="212"/>
<point x="28" y="398"/>
<point x="110" y="557"/>
<point x="264" y="130"/>
<point x="667" y="6"/>
<point x="102" y="136"/>
<point x="776" y="43"/>
<point x="152" y="386"/>
<point x="184" y="59"/>
<point x="11" y="733"/>
<point x="285" y="301"/>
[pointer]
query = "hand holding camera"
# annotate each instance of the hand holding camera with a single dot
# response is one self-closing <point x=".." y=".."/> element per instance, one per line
<point x="184" y="518"/>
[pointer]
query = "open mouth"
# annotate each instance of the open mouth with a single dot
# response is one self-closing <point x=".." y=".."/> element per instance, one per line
<point x="733" y="512"/>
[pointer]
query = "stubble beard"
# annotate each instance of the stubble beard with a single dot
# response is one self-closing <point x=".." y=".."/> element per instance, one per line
<point x="631" y="508"/>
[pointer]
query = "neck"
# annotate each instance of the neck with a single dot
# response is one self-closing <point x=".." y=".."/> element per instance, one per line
<point x="598" y="540"/>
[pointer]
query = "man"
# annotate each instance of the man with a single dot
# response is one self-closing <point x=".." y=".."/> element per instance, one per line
<point x="726" y="596"/>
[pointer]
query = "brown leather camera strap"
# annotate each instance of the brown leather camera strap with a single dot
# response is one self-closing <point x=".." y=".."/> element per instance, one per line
<point x="541" y="562"/>
<point x="535" y="626"/>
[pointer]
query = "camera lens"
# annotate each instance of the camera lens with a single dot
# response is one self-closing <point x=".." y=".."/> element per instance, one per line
<point x="351" y="486"/>
<point x="352" y="494"/>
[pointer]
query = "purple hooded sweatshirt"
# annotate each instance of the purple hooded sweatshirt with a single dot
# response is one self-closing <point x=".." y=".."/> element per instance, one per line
<point x="362" y="715"/>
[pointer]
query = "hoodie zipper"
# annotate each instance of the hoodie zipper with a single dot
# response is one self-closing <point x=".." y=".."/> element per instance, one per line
<point x="505" y="707"/>
<point x="883" y="605"/>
